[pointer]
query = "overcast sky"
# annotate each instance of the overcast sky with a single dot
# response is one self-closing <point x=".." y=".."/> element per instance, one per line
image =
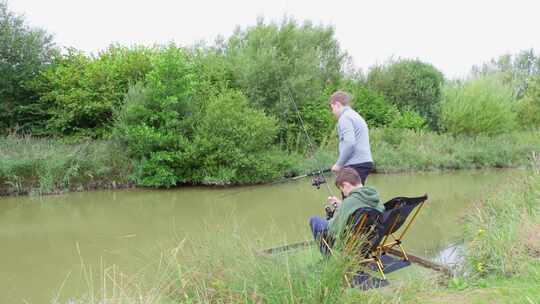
<point x="451" y="34"/>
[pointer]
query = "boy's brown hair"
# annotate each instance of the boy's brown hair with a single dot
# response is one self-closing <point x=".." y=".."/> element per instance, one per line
<point x="340" y="97"/>
<point x="348" y="175"/>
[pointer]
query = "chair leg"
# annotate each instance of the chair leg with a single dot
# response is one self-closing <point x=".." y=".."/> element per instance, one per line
<point x="380" y="266"/>
<point x="403" y="252"/>
<point x="347" y="281"/>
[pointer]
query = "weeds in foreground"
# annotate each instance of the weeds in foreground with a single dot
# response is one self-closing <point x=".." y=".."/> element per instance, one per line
<point x="229" y="271"/>
<point x="501" y="231"/>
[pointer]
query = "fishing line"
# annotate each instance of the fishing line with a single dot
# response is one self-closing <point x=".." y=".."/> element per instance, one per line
<point x="309" y="141"/>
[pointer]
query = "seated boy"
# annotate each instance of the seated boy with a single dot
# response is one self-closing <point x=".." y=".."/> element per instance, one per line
<point x="356" y="196"/>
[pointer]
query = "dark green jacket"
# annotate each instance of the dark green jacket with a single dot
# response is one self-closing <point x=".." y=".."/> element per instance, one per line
<point x="361" y="197"/>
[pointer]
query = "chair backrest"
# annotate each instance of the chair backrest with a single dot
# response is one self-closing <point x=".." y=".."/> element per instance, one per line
<point x="404" y="207"/>
<point x="384" y="226"/>
<point x="402" y="200"/>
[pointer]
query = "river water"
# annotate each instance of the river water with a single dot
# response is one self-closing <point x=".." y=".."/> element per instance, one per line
<point x="45" y="240"/>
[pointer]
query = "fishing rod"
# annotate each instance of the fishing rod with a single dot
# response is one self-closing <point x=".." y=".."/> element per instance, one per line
<point x="317" y="180"/>
<point x="319" y="177"/>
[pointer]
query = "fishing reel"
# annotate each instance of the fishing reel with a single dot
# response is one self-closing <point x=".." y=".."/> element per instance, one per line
<point x="330" y="210"/>
<point x="318" y="180"/>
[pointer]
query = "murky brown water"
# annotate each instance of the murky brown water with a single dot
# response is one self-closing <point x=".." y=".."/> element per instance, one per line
<point x="44" y="239"/>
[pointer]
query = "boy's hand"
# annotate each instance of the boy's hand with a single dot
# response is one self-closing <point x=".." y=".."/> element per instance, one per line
<point x="332" y="200"/>
<point x="336" y="168"/>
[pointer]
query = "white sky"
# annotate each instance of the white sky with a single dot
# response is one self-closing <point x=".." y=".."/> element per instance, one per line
<point x="453" y="35"/>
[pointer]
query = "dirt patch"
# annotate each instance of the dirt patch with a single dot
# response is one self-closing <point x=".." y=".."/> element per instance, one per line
<point x="530" y="237"/>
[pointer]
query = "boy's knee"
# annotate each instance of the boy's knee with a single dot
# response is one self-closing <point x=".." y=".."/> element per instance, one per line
<point x="312" y="222"/>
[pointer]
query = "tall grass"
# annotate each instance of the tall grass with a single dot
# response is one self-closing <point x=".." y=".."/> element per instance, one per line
<point x="228" y="270"/>
<point x="502" y="231"/>
<point x="42" y="166"/>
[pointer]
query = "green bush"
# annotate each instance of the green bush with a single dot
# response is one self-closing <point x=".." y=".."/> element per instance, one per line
<point x="24" y="52"/>
<point x="371" y="105"/>
<point x="273" y="63"/>
<point x="81" y="92"/>
<point x="409" y="120"/>
<point x="410" y="85"/>
<point x="178" y="132"/>
<point x="378" y="112"/>
<point x="528" y="108"/>
<point x="234" y="143"/>
<point x="479" y="106"/>
<point x="155" y="122"/>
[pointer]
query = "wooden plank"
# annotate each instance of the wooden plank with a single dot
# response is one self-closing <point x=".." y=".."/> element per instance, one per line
<point x="422" y="262"/>
<point x="414" y="259"/>
<point x="287" y="247"/>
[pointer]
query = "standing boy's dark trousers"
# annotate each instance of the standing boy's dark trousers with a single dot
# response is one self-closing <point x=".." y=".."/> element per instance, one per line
<point x="363" y="170"/>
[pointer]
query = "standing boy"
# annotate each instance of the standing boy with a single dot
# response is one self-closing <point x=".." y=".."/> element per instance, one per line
<point x="353" y="133"/>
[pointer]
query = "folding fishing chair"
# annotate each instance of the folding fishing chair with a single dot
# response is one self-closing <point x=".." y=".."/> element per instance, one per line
<point x="368" y="234"/>
<point x="397" y="212"/>
<point x="373" y="254"/>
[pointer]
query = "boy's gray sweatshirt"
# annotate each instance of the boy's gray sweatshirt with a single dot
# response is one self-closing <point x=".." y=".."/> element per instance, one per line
<point x="353" y="137"/>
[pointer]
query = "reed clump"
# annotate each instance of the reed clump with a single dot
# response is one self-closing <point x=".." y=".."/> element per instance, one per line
<point x="502" y="230"/>
<point x="31" y="165"/>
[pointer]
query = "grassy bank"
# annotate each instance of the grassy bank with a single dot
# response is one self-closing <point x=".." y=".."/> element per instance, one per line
<point x="502" y="265"/>
<point x="405" y="150"/>
<point x="398" y="150"/>
<point x="42" y="166"/>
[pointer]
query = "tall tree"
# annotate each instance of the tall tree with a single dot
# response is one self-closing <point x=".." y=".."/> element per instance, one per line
<point x="24" y="52"/>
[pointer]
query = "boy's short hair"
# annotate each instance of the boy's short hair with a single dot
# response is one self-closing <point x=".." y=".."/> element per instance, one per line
<point x="348" y="175"/>
<point x="340" y="97"/>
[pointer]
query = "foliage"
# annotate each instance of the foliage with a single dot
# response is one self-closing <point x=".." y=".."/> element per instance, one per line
<point x="82" y="92"/>
<point x="178" y="132"/>
<point x="378" y="112"/>
<point x="371" y="105"/>
<point x="409" y="120"/>
<point x="514" y="70"/>
<point x="214" y="73"/>
<point x="234" y="143"/>
<point x="479" y="106"/>
<point x="154" y="122"/>
<point x="159" y="102"/>
<point x="24" y="52"/>
<point x="275" y="65"/>
<point x="529" y="106"/>
<point x="410" y="85"/>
